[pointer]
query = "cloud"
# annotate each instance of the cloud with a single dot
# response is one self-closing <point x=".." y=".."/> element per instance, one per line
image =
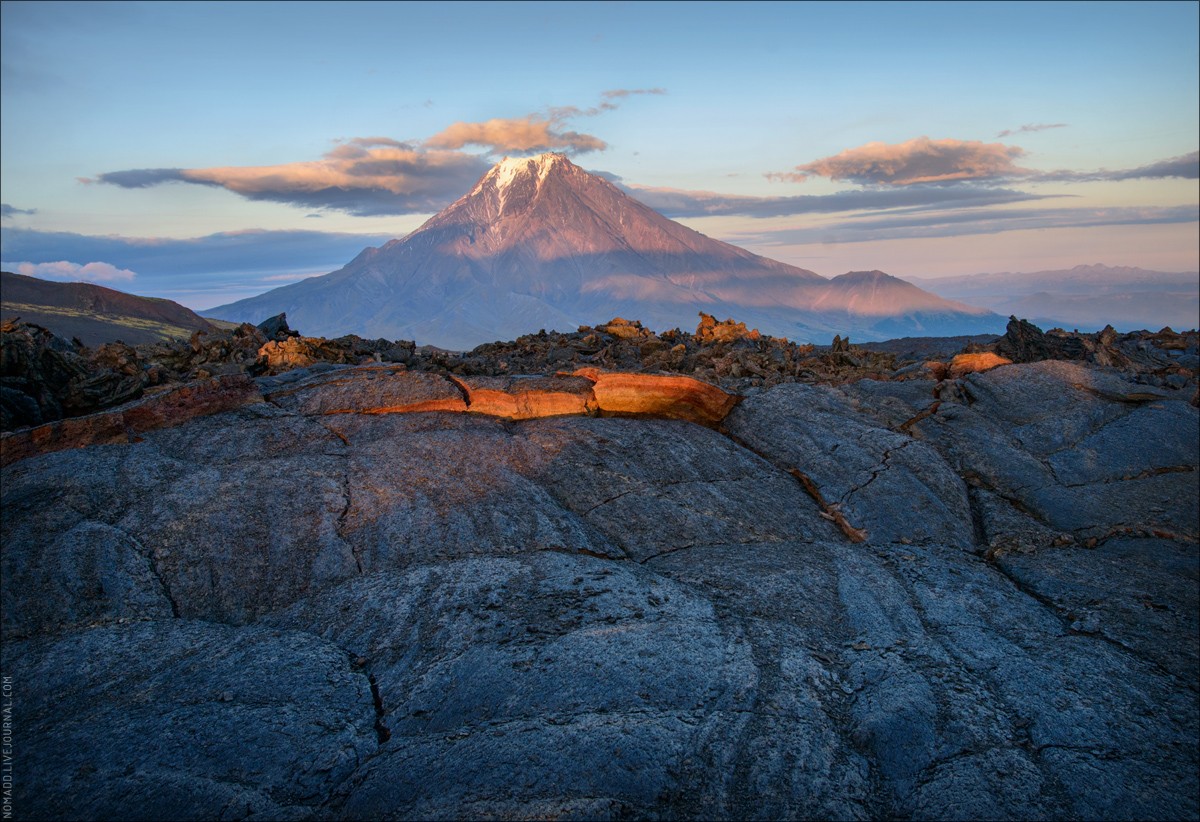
<point x="71" y="272"/>
<point x="1029" y="128"/>
<point x="536" y="132"/>
<point x="198" y="271"/>
<point x="607" y="98"/>
<point x="679" y="203"/>
<point x="378" y="175"/>
<point x="137" y="177"/>
<point x="517" y="134"/>
<point x="967" y="222"/>
<point x="916" y="161"/>
<point x="925" y="161"/>
<point x="1186" y="167"/>
<point x="622" y="93"/>
<point x="284" y="278"/>
<point x="363" y="176"/>
<point x="232" y="251"/>
<point x="7" y="211"/>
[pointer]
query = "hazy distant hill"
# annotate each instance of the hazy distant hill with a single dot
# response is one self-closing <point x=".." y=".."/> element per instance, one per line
<point x="541" y="243"/>
<point x="1086" y="297"/>
<point x="93" y="313"/>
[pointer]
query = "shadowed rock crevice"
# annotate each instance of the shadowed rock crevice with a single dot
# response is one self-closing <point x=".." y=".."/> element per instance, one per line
<point x="831" y="511"/>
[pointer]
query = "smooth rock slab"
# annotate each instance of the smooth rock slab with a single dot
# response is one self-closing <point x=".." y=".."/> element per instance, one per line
<point x="195" y="721"/>
<point x="526" y="682"/>
<point x="884" y="482"/>
<point x="372" y="389"/>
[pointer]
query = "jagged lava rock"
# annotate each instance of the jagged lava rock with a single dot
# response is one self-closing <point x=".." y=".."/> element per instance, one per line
<point x="339" y="602"/>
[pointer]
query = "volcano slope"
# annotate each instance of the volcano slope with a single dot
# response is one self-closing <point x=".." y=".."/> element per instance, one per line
<point x="365" y="592"/>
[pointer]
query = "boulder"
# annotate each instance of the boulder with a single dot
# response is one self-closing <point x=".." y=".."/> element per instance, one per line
<point x="276" y="328"/>
<point x="964" y="364"/>
<point x="283" y="355"/>
<point x="711" y="331"/>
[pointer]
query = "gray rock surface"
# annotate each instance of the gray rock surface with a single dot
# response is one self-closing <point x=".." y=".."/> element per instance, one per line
<point x="180" y="719"/>
<point x="292" y="613"/>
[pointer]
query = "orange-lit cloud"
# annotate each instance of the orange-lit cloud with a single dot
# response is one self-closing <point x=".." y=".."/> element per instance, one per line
<point x="516" y="134"/>
<point x="536" y="132"/>
<point x="368" y="176"/>
<point x="915" y="161"/>
<point x="363" y="176"/>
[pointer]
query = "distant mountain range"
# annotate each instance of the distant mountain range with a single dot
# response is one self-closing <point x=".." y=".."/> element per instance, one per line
<point x="95" y="314"/>
<point x="1086" y="297"/>
<point x="541" y="243"/>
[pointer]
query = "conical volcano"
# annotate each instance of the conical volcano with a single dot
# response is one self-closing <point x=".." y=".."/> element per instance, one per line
<point x="540" y="243"/>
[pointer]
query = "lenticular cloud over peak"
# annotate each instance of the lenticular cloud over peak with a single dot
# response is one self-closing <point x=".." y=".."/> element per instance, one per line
<point x="516" y="134"/>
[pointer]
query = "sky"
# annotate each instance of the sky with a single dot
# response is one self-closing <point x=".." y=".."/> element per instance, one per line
<point x="206" y="152"/>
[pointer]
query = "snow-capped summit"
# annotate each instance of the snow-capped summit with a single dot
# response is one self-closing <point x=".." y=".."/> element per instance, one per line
<point x="516" y="173"/>
<point x="540" y="243"/>
<point x="508" y="169"/>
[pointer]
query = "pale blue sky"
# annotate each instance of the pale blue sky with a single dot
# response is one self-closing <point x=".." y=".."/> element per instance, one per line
<point x="1050" y="126"/>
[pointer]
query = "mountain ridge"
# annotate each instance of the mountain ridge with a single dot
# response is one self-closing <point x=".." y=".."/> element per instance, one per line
<point x="93" y="313"/>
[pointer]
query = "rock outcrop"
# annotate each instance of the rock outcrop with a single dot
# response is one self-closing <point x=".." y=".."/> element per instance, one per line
<point x="375" y="591"/>
<point x="95" y="314"/>
<point x="45" y="378"/>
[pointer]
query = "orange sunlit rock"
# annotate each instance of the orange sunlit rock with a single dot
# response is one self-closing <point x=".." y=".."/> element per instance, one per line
<point x="162" y="410"/>
<point x="711" y="331"/>
<point x="680" y="398"/>
<point x="964" y="364"/>
<point x="525" y="398"/>
<point x="624" y="329"/>
<point x="281" y="355"/>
